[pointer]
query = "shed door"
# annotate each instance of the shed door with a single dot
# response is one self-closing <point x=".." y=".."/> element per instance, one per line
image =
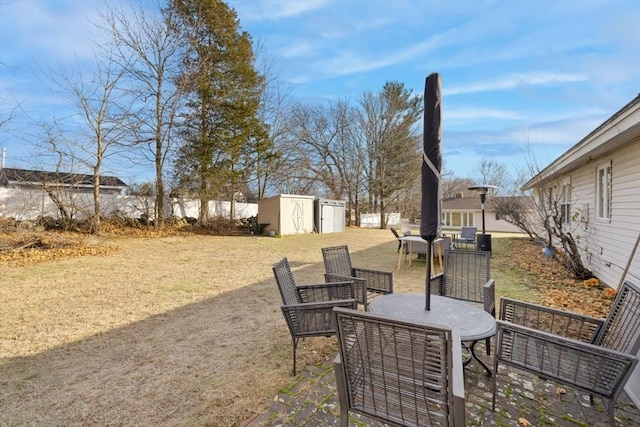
<point x="338" y="219"/>
<point x="326" y="216"/>
<point x="332" y="219"/>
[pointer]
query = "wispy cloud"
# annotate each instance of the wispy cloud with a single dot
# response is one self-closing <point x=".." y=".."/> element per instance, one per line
<point x="276" y="9"/>
<point x="296" y="49"/>
<point x="350" y="62"/>
<point x="531" y="77"/>
<point x="513" y="81"/>
<point x="481" y="113"/>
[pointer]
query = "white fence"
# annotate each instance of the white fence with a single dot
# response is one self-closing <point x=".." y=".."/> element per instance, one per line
<point x="373" y="220"/>
<point x="29" y="204"/>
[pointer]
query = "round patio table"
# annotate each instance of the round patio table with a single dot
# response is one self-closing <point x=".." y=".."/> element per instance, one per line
<point x="473" y="322"/>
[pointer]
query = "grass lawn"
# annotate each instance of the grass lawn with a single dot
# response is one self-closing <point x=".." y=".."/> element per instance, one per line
<point x="178" y="330"/>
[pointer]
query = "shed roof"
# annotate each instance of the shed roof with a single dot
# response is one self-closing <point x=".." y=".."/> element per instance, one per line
<point x="33" y="177"/>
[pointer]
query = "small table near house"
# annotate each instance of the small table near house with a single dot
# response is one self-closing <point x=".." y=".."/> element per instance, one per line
<point x="474" y="323"/>
<point x="409" y="242"/>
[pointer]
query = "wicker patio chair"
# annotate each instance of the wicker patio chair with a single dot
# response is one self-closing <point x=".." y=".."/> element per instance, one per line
<point x="337" y="267"/>
<point x="400" y="373"/>
<point x="593" y="355"/>
<point x="395" y="233"/>
<point x="308" y="309"/>
<point x="467" y="277"/>
<point x="467" y="237"/>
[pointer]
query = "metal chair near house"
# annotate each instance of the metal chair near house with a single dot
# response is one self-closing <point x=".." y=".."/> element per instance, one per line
<point x="596" y="356"/>
<point x="308" y="310"/>
<point x="467" y="237"/>
<point x="400" y="373"/>
<point x="367" y="282"/>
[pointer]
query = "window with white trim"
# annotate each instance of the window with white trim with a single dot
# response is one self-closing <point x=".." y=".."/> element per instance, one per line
<point x="457" y="219"/>
<point x="603" y="192"/>
<point x="564" y="203"/>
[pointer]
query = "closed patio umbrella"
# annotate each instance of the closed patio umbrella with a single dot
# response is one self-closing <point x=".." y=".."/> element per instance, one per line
<point x="430" y="208"/>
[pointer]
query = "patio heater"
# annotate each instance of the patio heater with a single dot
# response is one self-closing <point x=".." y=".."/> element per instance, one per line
<point x="483" y="240"/>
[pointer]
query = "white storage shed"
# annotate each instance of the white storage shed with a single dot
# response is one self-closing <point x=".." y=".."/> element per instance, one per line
<point x="329" y="215"/>
<point x="286" y="214"/>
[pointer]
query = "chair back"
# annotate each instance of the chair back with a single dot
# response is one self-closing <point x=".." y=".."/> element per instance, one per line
<point x="621" y="329"/>
<point x="337" y="260"/>
<point x="465" y="274"/>
<point x="286" y="284"/>
<point x="468" y="233"/>
<point x="398" y="372"/>
<point x="395" y="232"/>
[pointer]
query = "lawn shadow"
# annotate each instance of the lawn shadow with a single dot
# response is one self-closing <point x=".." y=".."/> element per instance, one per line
<point x="209" y="362"/>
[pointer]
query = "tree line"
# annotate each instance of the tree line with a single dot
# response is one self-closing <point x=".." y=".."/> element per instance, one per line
<point x="182" y="90"/>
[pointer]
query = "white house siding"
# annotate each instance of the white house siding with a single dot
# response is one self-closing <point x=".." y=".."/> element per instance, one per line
<point x="493" y="224"/>
<point x="606" y="245"/>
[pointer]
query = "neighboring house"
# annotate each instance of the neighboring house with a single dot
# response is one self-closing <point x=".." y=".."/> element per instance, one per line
<point x="28" y="179"/>
<point x="467" y="212"/>
<point x="599" y="178"/>
<point x="26" y="194"/>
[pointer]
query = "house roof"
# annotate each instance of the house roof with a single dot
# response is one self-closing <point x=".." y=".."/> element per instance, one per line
<point x="32" y="177"/>
<point x="473" y="203"/>
<point x="620" y="129"/>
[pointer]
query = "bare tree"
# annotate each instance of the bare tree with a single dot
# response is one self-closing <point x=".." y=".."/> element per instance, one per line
<point x="99" y="123"/>
<point x="5" y="118"/>
<point x="453" y="186"/>
<point x="549" y="217"/>
<point x="325" y="137"/>
<point x="491" y="172"/>
<point x="149" y="52"/>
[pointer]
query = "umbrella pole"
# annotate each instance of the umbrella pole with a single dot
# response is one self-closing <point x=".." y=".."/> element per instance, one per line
<point x="428" y="280"/>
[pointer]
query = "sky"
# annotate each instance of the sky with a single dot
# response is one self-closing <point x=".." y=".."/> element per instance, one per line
<point x="520" y="79"/>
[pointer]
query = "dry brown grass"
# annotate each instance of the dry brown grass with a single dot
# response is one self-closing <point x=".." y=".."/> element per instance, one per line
<point x="174" y="330"/>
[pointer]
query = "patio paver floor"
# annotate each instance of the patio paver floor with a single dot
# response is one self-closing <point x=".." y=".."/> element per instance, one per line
<point x="523" y="400"/>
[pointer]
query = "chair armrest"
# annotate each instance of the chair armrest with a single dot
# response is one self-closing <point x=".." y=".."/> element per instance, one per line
<point x="558" y="322"/>
<point x="586" y="366"/>
<point x="315" y="318"/>
<point x="457" y="381"/>
<point x="327" y="291"/>
<point x="377" y="281"/>
<point x="359" y="286"/>
<point x="328" y="305"/>
<point x="489" y="297"/>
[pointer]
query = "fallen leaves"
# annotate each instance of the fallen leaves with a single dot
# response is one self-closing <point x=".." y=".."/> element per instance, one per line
<point x="19" y="249"/>
<point x="557" y="288"/>
<point x="524" y="422"/>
